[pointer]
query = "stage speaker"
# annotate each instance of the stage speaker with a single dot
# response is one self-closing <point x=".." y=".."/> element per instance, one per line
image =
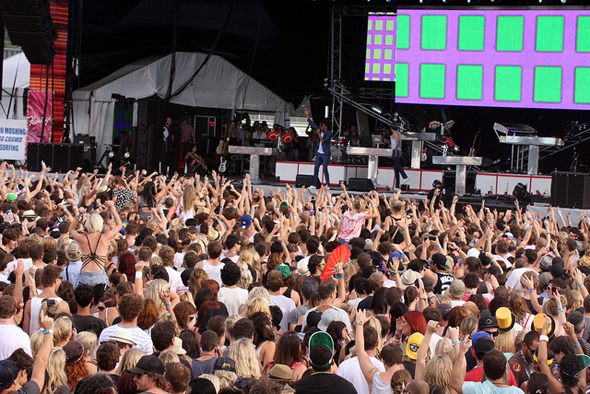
<point x="448" y="181"/>
<point x="303" y="180"/>
<point x="570" y="189"/>
<point x="60" y="157"/>
<point x="360" y="185"/>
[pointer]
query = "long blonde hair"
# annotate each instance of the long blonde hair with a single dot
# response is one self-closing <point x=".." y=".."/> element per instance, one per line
<point x="438" y="371"/>
<point x="445" y="347"/>
<point x="505" y="342"/>
<point x="250" y="257"/>
<point x="244" y="355"/>
<point x="189" y="197"/>
<point x="156" y="287"/>
<point x="129" y="360"/>
<point x="257" y="304"/>
<point x="90" y="342"/>
<point x="56" y="365"/>
<point x="245" y="275"/>
<point x="62" y="329"/>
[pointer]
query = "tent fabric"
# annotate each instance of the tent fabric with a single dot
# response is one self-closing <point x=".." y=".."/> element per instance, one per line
<point x="219" y="84"/>
<point x="15" y="79"/>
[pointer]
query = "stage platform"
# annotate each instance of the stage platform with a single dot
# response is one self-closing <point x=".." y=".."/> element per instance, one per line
<point x="418" y="180"/>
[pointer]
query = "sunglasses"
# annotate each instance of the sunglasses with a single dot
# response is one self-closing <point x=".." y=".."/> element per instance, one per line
<point x="101" y="308"/>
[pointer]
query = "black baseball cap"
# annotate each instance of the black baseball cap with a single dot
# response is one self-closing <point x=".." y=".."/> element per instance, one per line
<point x="148" y="364"/>
<point x="8" y="373"/>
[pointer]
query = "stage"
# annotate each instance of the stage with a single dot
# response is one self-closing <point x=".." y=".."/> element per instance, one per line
<point x="418" y="180"/>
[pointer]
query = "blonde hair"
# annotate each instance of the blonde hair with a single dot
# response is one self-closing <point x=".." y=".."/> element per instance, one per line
<point x="90" y="342"/>
<point x="245" y="275"/>
<point x="168" y="357"/>
<point x="258" y="305"/>
<point x="56" y="365"/>
<point x="156" y="287"/>
<point x="228" y="325"/>
<point x="186" y="296"/>
<point x="259" y="292"/>
<point x="468" y="325"/>
<point x="574" y="299"/>
<point x="505" y="341"/>
<point x="63" y="243"/>
<point x="250" y="257"/>
<point x="49" y="243"/>
<point x="167" y="316"/>
<point x="438" y="371"/>
<point x="445" y="347"/>
<point x="62" y="329"/>
<point x="36" y="342"/>
<point x="213" y="379"/>
<point x="226" y="378"/>
<point x="243" y="353"/>
<point x="129" y="360"/>
<point x="156" y="260"/>
<point x="189" y="197"/>
<point x="94" y="223"/>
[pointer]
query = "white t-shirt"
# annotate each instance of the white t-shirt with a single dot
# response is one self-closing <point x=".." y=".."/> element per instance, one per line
<point x="514" y="280"/>
<point x="233" y="298"/>
<point x="12" y="265"/>
<point x="351" y="370"/>
<point x="175" y="279"/>
<point x="11" y="339"/>
<point x="178" y="260"/>
<point x="233" y="258"/>
<point x="287" y="305"/>
<point x="214" y="271"/>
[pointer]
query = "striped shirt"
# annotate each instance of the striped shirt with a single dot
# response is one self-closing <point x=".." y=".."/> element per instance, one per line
<point x="143" y="340"/>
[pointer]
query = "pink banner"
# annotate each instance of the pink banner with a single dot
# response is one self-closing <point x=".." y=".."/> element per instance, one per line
<point x="35" y="117"/>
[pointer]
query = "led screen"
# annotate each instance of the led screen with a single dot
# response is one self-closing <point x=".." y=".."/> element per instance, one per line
<point x="496" y="58"/>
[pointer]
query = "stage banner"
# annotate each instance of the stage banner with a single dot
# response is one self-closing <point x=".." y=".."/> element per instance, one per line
<point x="35" y="117"/>
<point x="56" y="73"/>
<point x="13" y="135"/>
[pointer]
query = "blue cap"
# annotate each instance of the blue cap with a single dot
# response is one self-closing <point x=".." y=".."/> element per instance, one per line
<point x="479" y="335"/>
<point x="246" y="221"/>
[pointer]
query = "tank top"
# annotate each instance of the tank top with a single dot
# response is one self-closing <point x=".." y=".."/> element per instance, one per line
<point x="35" y="309"/>
<point x="379" y="386"/>
<point x="214" y="271"/>
<point x="260" y="348"/>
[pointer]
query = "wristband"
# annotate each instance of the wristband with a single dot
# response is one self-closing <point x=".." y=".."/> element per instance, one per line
<point x="405" y="232"/>
<point x="580" y="284"/>
<point x="138" y="275"/>
<point x="555" y="250"/>
<point x="531" y="290"/>
<point x="32" y="277"/>
<point x="397" y="335"/>
<point x="543" y="338"/>
<point x="456" y="342"/>
<point x="283" y="245"/>
<point x="168" y="304"/>
<point x="51" y="332"/>
<point x="338" y="276"/>
<point x="559" y="309"/>
<point x="577" y="346"/>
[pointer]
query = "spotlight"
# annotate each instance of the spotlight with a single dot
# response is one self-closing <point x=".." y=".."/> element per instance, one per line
<point x="111" y="155"/>
<point x="376" y="108"/>
<point x="126" y="155"/>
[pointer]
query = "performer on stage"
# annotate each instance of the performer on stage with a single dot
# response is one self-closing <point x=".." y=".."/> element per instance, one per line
<point x="323" y="156"/>
<point x="396" y="147"/>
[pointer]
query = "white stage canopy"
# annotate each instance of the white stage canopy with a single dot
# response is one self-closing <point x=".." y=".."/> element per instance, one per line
<point x="16" y="73"/>
<point x="219" y="84"/>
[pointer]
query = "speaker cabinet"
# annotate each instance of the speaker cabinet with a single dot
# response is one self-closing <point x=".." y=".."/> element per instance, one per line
<point x="303" y="180"/>
<point x="570" y="189"/>
<point x="60" y="157"/>
<point x="360" y="185"/>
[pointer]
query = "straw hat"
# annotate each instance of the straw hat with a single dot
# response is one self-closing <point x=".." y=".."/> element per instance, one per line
<point x="177" y="347"/>
<point x="506" y="319"/>
<point x="73" y="252"/>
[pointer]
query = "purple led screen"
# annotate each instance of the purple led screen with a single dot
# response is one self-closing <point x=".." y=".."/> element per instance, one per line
<point x="496" y="58"/>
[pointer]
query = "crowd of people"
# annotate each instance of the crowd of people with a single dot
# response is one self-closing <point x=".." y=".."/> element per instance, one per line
<point x="134" y="283"/>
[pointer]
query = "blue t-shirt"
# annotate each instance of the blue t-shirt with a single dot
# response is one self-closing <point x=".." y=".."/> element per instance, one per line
<point x="488" y="387"/>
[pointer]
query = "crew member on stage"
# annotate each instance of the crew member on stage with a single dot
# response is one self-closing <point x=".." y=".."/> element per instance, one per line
<point x="323" y="156"/>
<point x="354" y="139"/>
<point x="188" y="133"/>
<point x="396" y="147"/>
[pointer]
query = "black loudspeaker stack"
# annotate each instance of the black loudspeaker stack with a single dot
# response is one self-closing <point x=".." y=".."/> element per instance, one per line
<point x="303" y="180"/>
<point x="360" y="185"/>
<point x="60" y="157"/>
<point x="570" y="189"/>
<point x="29" y="24"/>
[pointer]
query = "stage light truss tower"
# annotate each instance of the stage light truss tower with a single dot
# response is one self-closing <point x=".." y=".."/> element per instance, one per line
<point x="339" y="13"/>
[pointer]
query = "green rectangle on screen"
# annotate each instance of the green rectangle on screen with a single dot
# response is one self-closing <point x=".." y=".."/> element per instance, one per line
<point x="510" y="33"/>
<point x="402" y="38"/>
<point x="370" y="28"/>
<point x="368" y="55"/>
<point x="469" y="82"/>
<point x="508" y="83"/>
<point x="583" y="34"/>
<point x="432" y="81"/>
<point x="434" y="32"/>
<point x="387" y="68"/>
<point x="471" y="32"/>
<point x="389" y="25"/>
<point x="389" y="39"/>
<point x="376" y="68"/>
<point x="377" y="54"/>
<point x="367" y="68"/>
<point x="547" y="85"/>
<point x="549" y="33"/>
<point x="378" y="39"/>
<point x="388" y="54"/>
<point x="401" y="79"/>
<point x="582" y="85"/>
<point x="379" y="25"/>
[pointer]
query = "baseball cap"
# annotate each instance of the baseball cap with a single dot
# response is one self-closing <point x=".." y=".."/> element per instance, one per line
<point x="328" y="317"/>
<point x="246" y="221"/>
<point x="478" y="335"/>
<point x="224" y="364"/>
<point x="302" y="267"/>
<point x="309" y="287"/>
<point x="318" y="340"/>
<point x="457" y="288"/>
<point x="10" y="197"/>
<point x="8" y="373"/>
<point x="486" y="320"/>
<point x="280" y="372"/>
<point x="313" y="319"/>
<point x="444" y="309"/>
<point x="413" y="345"/>
<point x="546" y="263"/>
<point x="74" y="351"/>
<point x="440" y="261"/>
<point x="148" y="364"/>
<point x="557" y="271"/>
<point x="285" y="270"/>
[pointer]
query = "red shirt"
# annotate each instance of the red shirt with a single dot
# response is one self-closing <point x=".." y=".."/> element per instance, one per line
<point x="476" y="373"/>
